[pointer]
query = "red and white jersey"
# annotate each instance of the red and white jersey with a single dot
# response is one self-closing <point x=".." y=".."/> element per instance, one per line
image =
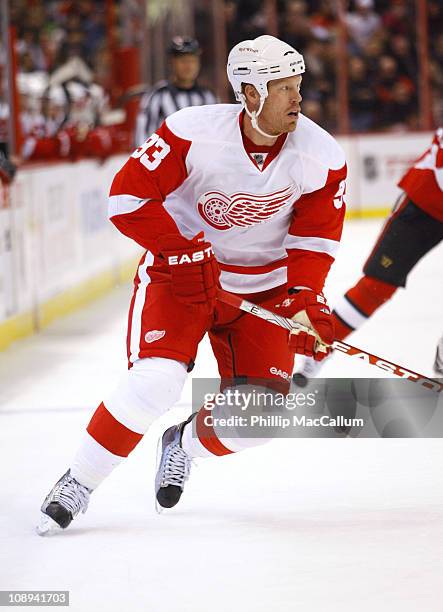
<point x="271" y="220"/>
<point x="43" y="139"/>
<point x="423" y="182"/>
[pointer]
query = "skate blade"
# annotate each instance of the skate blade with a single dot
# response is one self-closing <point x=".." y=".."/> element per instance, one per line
<point x="47" y="526"/>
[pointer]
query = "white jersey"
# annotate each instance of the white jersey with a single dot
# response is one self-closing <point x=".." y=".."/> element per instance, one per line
<point x="272" y="216"/>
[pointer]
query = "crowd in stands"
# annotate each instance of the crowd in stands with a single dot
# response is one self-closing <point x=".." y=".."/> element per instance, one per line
<point x="381" y="50"/>
<point x="63" y="83"/>
<point x="50" y="33"/>
<point x="65" y="68"/>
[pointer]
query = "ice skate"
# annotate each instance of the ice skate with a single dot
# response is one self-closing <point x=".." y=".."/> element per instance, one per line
<point x="62" y="504"/>
<point x="173" y="467"/>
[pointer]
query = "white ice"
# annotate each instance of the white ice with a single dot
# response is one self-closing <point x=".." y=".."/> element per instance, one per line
<point x="309" y="525"/>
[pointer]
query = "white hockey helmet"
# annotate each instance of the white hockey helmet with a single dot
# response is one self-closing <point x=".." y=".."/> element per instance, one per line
<point x="262" y="60"/>
<point x="259" y="61"/>
<point x="56" y="95"/>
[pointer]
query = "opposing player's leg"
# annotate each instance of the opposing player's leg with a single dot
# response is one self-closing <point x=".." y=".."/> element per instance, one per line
<point x="162" y="342"/>
<point x="438" y="362"/>
<point x="407" y="236"/>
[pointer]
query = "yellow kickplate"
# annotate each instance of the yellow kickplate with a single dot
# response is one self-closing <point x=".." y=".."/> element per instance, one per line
<point x="16" y="327"/>
<point x="368" y="213"/>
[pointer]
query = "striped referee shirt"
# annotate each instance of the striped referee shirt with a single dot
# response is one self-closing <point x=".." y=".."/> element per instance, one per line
<point x="163" y="100"/>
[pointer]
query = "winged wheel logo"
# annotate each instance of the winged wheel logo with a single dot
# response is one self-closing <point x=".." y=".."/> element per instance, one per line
<point x="224" y="212"/>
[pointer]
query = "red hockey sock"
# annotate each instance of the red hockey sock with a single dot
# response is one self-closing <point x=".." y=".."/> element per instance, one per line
<point x="111" y="434"/>
<point x="369" y="294"/>
<point x="359" y="303"/>
<point x="207" y="435"/>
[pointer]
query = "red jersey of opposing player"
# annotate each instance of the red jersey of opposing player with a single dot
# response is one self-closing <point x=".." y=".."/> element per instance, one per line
<point x="423" y="182"/>
<point x="273" y="216"/>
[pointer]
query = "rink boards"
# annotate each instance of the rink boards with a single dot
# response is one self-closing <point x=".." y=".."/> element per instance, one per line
<point x="58" y="249"/>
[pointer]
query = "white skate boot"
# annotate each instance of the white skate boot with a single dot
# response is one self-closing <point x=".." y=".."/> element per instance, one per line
<point x="62" y="504"/>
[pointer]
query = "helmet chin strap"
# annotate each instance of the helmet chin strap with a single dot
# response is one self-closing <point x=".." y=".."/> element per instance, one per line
<point x="254" y="116"/>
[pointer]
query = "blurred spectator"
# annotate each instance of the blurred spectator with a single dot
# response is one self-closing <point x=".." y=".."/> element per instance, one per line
<point x="30" y="89"/>
<point x="399" y="112"/>
<point x="372" y="52"/>
<point x="404" y="106"/>
<point x="318" y="82"/>
<point x="437" y="78"/>
<point x="362" y="24"/>
<point x="437" y="49"/>
<point x="296" y="26"/>
<point x="30" y="52"/>
<point x="401" y="49"/>
<point x="398" y="18"/>
<point x="324" y="20"/>
<point x="387" y="76"/>
<point x="179" y="91"/>
<point x="251" y="20"/>
<point x="362" y="98"/>
<point x="43" y="115"/>
<point x="395" y="94"/>
<point x="230" y="15"/>
<point x="435" y="18"/>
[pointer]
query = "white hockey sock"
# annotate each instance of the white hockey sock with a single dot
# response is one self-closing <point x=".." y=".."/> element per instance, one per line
<point x="93" y="463"/>
<point x="192" y="445"/>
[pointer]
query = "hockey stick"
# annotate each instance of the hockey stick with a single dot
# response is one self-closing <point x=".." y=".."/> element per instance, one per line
<point x="343" y="347"/>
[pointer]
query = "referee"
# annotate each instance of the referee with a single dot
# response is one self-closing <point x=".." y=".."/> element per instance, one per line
<point x="179" y="91"/>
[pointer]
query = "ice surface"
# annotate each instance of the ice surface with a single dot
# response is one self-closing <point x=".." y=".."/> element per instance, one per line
<point x="309" y="525"/>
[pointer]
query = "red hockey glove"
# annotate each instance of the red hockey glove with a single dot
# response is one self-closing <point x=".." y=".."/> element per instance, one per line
<point x="193" y="267"/>
<point x="311" y="310"/>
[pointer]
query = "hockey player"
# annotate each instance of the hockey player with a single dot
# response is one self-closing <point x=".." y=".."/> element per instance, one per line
<point x="44" y="135"/>
<point x="265" y="185"/>
<point x="414" y="227"/>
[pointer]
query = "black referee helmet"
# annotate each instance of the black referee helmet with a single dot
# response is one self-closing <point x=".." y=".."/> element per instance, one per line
<point x="183" y="44"/>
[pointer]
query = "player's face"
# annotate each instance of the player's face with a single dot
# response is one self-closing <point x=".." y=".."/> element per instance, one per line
<point x="186" y="67"/>
<point x="281" y="108"/>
